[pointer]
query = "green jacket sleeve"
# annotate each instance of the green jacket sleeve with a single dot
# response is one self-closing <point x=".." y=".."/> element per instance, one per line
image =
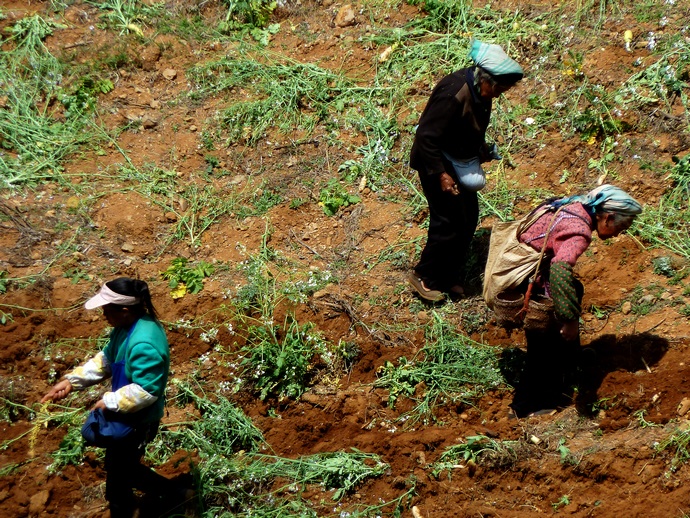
<point x="564" y="293"/>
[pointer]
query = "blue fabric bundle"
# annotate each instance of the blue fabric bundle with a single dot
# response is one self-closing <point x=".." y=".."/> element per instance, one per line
<point x="469" y="173"/>
<point x="105" y="428"/>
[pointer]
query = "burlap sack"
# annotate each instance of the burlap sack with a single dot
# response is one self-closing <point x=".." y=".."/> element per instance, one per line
<point x="510" y="262"/>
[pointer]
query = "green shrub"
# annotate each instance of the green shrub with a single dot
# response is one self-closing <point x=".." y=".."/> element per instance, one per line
<point x="279" y="359"/>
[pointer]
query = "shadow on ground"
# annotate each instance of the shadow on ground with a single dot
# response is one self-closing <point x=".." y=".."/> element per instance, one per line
<point x="606" y="354"/>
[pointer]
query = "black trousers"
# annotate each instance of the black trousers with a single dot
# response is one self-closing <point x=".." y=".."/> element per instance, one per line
<point x="125" y="472"/>
<point x="452" y="222"/>
<point x="550" y="374"/>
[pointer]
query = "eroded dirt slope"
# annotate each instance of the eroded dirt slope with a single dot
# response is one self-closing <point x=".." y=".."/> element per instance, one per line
<point x="71" y="244"/>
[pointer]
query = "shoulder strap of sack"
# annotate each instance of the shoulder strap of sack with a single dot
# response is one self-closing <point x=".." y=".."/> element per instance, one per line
<point x="541" y="256"/>
<point x="531" y="218"/>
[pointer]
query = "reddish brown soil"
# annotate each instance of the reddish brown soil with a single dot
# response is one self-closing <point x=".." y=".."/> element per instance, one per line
<point x="643" y="362"/>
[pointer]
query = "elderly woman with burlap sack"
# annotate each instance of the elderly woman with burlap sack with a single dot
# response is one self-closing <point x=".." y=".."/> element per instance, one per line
<point x="449" y="147"/>
<point x="529" y="278"/>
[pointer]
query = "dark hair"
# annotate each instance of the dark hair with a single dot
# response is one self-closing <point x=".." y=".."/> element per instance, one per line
<point x="481" y="74"/>
<point x="618" y="218"/>
<point x="135" y="288"/>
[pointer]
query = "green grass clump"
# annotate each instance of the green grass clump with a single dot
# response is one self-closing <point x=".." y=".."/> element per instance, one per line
<point x="255" y="13"/>
<point x="222" y="429"/>
<point x="126" y="16"/>
<point x="288" y="94"/>
<point x="668" y="224"/>
<point x="677" y="443"/>
<point x="291" y="96"/>
<point x="450" y="368"/>
<point x="36" y="131"/>
<point x="252" y="485"/>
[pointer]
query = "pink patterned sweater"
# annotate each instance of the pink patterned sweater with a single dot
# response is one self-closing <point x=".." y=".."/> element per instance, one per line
<point x="570" y="235"/>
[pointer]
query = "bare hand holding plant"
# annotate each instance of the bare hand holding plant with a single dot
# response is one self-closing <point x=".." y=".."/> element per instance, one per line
<point x="59" y="391"/>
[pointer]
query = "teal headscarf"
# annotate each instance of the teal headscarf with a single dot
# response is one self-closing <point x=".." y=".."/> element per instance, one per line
<point x="605" y="198"/>
<point x="495" y="61"/>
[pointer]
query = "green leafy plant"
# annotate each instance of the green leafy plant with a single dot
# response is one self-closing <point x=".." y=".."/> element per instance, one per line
<point x="76" y="274"/>
<point x="400" y="379"/>
<point x="263" y="36"/>
<point x="607" y="156"/>
<point x="255" y="13"/>
<point x="668" y="224"/>
<point x="262" y="203"/>
<point x="334" y="197"/>
<point x="83" y="98"/>
<point x="566" y="455"/>
<point x="260" y="294"/>
<point x="644" y="299"/>
<point x="300" y="289"/>
<point x="5" y="317"/>
<point x="596" y="118"/>
<point x="599" y="313"/>
<point x="443" y="15"/>
<point x="37" y="134"/>
<point x="125" y="14"/>
<point x="279" y="359"/>
<point x="183" y="278"/>
<point x="71" y="450"/>
<point x="397" y="254"/>
<point x="663" y="266"/>
<point x="13" y="393"/>
<point x="642" y="421"/>
<point x="242" y="481"/>
<point x="470" y="449"/>
<point x="471" y="452"/>
<point x="564" y="500"/>
<point x="9" y="469"/>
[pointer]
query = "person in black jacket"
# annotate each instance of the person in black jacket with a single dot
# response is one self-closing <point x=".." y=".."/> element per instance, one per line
<point x="448" y="149"/>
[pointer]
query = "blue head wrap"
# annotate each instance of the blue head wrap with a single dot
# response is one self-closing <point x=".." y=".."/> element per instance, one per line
<point x="495" y="61"/>
<point x="605" y="198"/>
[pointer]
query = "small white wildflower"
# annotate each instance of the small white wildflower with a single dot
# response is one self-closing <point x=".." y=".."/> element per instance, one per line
<point x="651" y="44"/>
<point x="529" y="121"/>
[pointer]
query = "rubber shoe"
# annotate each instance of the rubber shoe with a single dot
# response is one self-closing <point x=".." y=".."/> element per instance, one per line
<point x="543" y="411"/>
<point x="424" y="292"/>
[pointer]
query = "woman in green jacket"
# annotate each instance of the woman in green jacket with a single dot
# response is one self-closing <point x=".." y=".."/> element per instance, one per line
<point x="137" y="359"/>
